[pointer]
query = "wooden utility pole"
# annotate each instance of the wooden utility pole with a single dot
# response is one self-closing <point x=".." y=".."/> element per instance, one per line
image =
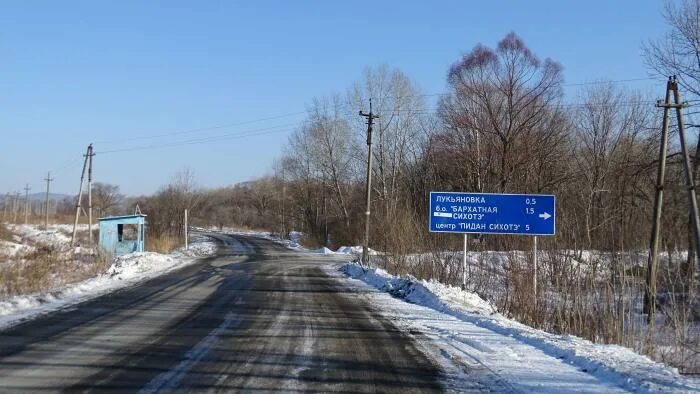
<point x="26" y="203"/>
<point x="652" y="266"/>
<point x="48" y="180"/>
<point x="283" y="233"/>
<point x="689" y="178"/>
<point x="186" y="238"/>
<point x="90" y="154"/>
<point x="652" y="263"/>
<point x="5" y="210"/>
<point x="15" y="207"/>
<point x="78" y="206"/>
<point x="368" y="186"/>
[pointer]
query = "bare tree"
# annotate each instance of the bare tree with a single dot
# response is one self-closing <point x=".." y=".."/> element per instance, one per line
<point x="508" y="99"/>
<point x="398" y="136"/>
<point x="610" y="127"/>
<point x="106" y="198"/>
<point x="678" y="51"/>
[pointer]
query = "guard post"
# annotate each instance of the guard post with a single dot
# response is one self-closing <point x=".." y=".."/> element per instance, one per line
<point x="122" y="234"/>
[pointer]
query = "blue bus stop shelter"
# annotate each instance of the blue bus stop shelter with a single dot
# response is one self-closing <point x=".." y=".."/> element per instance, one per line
<point x="122" y="234"/>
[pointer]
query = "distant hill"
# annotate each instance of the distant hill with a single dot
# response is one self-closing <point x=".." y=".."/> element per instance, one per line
<point x="42" y="196"/>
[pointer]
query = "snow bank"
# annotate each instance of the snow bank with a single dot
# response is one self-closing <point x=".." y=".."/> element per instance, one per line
<point x="13" y="249"/>
<point x="431" y="293"/>
<point x="355" y="250"/>
<point x="201" y="249"/>
<point x="124" y="271"/>
<point x="54" y="236"/>
<point x="323" y="250"/>
<point x="136" y="264"/>
<point x="292" y="244"/>
<point x="611" y="363"/>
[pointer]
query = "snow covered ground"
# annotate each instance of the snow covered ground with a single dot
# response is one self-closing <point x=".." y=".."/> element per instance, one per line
<point x="124" y="271"/>
<point x="470" y="340"/>
<point x="293" y="243"/>
<point x="57" y="235"/>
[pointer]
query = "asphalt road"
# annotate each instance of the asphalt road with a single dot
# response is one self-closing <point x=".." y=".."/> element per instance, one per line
<point x="268" y="320"/>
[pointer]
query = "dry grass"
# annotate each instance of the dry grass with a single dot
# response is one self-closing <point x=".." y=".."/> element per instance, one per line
<point x="163" y="243"/>
<point x="53" y="219"/>
<point x="44" y="270"/>
<point x="5" y="234"/>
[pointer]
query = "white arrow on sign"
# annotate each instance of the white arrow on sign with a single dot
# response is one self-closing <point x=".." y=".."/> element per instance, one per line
<point x="545" y="215"/>
<point x="442" y="214"/>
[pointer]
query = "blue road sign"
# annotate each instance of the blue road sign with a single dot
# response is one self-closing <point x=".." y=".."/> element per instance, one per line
<point x="487" y="213"/>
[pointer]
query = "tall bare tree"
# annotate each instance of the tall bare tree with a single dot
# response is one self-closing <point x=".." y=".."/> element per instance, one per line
<point x="678" y="51"/>
<point x="508" y="99"/>
<point x="398" y="133"/>
<point x="106" y="198"/>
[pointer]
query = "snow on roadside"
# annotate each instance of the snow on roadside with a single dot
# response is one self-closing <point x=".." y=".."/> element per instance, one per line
<point x="475" y="324"/>
<point x="13" y="249"/>
<point x="125" y="270"/>
<point x="55" y="236"/>
<point x="291" y="243"/>
<point x="200" y="246"/>
<point x="432" y="294"/>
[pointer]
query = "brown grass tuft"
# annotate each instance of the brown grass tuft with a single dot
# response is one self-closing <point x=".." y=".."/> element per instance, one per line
<point x="163" y="243"/>
<point x="44" y="270"/>
<point x="5" y="234"/>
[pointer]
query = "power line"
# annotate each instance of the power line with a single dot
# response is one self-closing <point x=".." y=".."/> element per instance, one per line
<point x="267" y="118"/>
<point x="291" y="126"/>
<point x="200" y="129"/>
<point x="204" y="140"/>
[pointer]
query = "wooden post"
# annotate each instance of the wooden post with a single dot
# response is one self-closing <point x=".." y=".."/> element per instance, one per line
<point x="46" y="203"/>
<point x="368" y="185"/>
<point x="689" y="176"/>
<point x="186" y="240"/>
<point x="79" y="202"/>
<point x="653" y="262"/>
<point x="534" y="264"/>
<point x="90" y="155"/>
<point x="464" y="263"/>
<point x="27" y="206"/>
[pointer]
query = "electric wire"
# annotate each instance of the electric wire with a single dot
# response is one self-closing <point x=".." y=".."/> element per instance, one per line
<point x="291" y="126"/>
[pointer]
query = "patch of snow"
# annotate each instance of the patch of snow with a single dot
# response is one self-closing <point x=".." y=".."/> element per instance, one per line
<point x="54" y="236"/>
<point x="468" y="332"/>
<point x="296" y="236"/>
<point x="201" y="249"/>
<point x="323" y="250"/>
<point x="355" y="250"/>
<point x="200" y="246"/>
<point x="13" y="249"/>
<point x="124" y="271"/>
<point x="288" y="243"/>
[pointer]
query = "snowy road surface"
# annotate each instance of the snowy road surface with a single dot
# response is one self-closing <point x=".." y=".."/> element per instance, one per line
<point x="271" y="319"/>
<point x="260" y="317"/>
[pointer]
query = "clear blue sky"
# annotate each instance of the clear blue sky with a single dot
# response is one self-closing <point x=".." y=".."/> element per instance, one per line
<point x="97" y="71"/>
